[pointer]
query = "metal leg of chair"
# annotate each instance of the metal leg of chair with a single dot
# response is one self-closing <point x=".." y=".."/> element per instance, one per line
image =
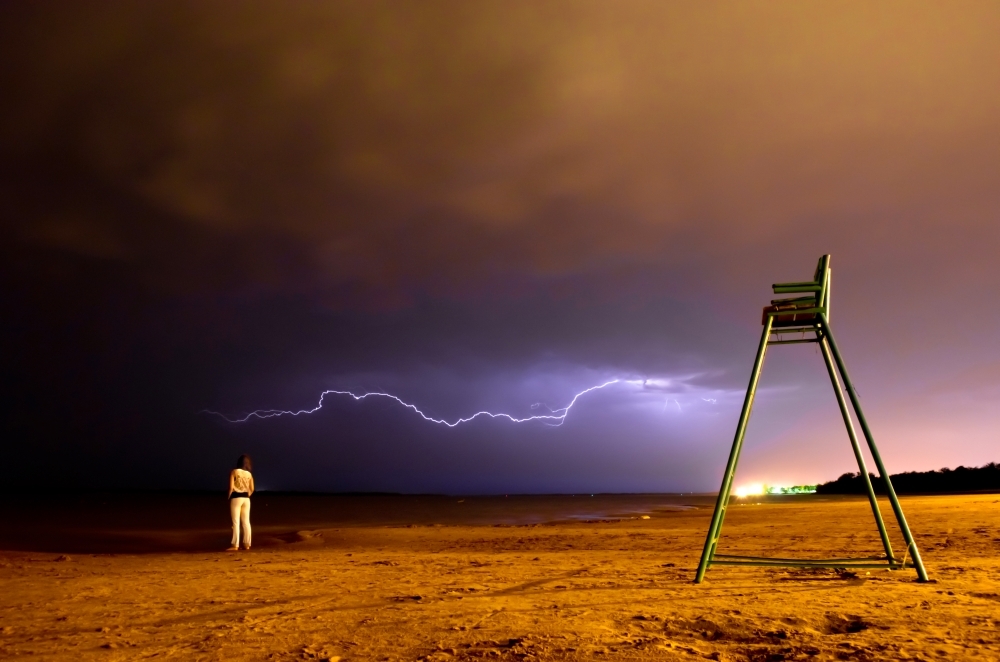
<point x="721" y="503"/>
<point x="842" y="403"/>
<point x="911" y="544"/>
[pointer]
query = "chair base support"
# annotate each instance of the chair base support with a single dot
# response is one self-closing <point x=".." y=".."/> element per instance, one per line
<point x="864" y="562"/>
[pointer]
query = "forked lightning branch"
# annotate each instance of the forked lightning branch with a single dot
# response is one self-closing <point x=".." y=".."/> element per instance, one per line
<point x="555" y="417"/>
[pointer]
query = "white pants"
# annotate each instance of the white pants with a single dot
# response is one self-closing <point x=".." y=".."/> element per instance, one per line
<point x="239" y="509"/>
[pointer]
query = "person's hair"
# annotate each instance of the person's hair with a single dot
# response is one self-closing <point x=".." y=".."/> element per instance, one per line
<point x="244" y="463"/>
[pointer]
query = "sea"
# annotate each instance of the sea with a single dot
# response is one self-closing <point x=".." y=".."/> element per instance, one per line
<point x="134" y="522"/>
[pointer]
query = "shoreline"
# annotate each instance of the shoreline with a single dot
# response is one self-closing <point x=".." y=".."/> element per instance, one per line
<point x="151" y="523"/>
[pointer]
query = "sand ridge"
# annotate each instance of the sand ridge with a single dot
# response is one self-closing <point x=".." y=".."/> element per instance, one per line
<point x="580" y="590"/>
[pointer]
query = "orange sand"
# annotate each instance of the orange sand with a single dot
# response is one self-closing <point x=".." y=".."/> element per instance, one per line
<point x="598" y="590"/>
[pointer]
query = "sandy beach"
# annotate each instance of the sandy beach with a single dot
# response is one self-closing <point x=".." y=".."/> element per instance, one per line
<point x="605" y="588"/>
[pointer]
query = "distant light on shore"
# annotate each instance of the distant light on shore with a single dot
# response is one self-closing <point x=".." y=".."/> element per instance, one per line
<point x="791" y="489"/>
<point x="754" y="489"/>
<point x="759" y="489"/>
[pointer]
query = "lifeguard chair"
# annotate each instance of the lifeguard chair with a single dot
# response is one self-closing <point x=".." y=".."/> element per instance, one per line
<point x="809" y="315"/>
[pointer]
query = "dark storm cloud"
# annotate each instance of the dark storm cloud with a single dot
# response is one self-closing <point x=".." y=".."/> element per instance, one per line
<point x="382" y="145"/>
<point x="209" y="204"/>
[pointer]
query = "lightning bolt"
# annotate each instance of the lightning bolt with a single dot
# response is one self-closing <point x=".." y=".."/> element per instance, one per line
<point x="556" y="415"/>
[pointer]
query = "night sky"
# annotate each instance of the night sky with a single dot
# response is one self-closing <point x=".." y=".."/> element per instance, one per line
<point x="235" y="206"/>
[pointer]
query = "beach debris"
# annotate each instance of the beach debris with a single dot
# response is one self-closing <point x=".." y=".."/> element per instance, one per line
<point x="321" y="653"/>
<point x="406" y="598"/>
<point x="849" y="624"/>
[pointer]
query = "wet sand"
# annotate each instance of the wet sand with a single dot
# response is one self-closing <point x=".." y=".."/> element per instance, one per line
<point x="566" y="586"/>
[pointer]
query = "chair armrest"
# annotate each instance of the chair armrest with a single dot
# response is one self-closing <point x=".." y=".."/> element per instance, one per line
<point x="809" y="299"/>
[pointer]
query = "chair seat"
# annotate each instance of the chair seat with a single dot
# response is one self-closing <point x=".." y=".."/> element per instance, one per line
<point x="789" y="316"/>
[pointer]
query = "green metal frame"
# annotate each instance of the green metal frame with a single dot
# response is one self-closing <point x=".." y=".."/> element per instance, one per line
<point x="810" y="315"/>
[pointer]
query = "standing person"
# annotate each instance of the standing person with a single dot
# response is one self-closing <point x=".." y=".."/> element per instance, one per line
<point x="240" y="489"/>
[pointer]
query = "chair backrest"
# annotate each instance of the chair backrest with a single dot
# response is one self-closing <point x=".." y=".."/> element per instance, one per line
<point x="818" y="288"/>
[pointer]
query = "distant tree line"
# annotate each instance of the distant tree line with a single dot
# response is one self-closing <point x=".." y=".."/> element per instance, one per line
<point x="961" y="479"/>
